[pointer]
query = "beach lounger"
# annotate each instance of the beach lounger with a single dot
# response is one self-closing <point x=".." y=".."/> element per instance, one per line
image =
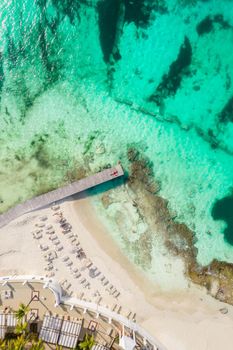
<point x="50" y="232"/>
<point x="59" y="248"/>
<point x="98" y="300"/>
<point x="50" y="274"/>
<point x="114" y="307"/>
<point x="68" y="285"/>
<point x="62" y="282"/>
<point x="37" y="232"/>
<point x="65" y="231"/>
<point x="43" y="218"/>
<point x="65" y="258"/>
<point x="41" y="224"/>
<point x="87" y="285"/>
<point x="55" y="207"/>
<point x="119" y="309"/>
<point x="89" y="264"/>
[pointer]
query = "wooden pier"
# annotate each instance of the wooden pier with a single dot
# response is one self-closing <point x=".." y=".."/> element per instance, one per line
<point x="60" y="193"/>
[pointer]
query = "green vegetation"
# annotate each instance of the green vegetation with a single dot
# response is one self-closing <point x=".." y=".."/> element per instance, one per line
<point x="22" y="312"/>
<point x="23" y="339"/>
<point x="87" y="343"/>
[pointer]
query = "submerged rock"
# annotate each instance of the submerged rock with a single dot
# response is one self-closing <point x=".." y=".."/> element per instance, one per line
<point x="205" y="26"/>
<point x="226" y="115"/>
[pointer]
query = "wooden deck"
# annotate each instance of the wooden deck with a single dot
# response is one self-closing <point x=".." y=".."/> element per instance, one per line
<point x="60" y="193"/>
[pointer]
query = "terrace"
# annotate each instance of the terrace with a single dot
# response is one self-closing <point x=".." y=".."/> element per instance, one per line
<point x="62" y="323"/>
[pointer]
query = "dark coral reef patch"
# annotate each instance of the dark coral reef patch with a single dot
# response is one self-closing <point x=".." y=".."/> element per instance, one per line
<point x="208" y="24"/>
<point x="139" y="11"/>
<point x="108" y="12"/>
<point x="226" y="115"/>
<point x="223" y="210"/>
<point x="172" y="80"/>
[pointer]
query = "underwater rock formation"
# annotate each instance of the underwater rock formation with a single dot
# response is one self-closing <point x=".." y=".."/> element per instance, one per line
<point x="108" y="13"/>
<point x="217" y="277"/>
<point x="226" y="115"/>
<point x="172" y="80"/>
<point x="139" y="11"/>
<point x="222" y="210"/>
<point x="207" y="24"/>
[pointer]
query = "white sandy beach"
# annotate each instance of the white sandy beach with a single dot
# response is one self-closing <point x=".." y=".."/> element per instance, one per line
<point x="181" y="321"/>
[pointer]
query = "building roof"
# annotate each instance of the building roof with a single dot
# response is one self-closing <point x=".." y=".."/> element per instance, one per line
<point x="55" y="330"/>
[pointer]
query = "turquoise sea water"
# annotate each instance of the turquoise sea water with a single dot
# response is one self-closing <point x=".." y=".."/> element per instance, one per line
<point x="80" y="81"/>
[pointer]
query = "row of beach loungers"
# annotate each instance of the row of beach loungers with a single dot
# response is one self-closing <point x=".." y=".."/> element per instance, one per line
<point x="80" y="267"/>
<point x="79" y="252"/>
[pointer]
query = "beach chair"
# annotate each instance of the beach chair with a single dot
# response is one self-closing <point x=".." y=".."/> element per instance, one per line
<point x="65" y="258"/>
<point x="59" y="247"/>
<point x="116" y="294"/>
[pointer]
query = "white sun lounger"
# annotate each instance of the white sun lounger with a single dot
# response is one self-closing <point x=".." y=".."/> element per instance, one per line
<point x="65" y="258"/>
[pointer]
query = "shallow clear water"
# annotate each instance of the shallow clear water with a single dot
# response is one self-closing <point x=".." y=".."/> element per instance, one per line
<point x="81" y="81"/>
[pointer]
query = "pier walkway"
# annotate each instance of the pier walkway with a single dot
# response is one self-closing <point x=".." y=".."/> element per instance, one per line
<point x="60" y="193"/>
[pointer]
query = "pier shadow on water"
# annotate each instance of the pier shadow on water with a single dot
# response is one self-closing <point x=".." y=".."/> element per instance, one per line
<point x="223" y="210"/>
<point x="99" y="189"/>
